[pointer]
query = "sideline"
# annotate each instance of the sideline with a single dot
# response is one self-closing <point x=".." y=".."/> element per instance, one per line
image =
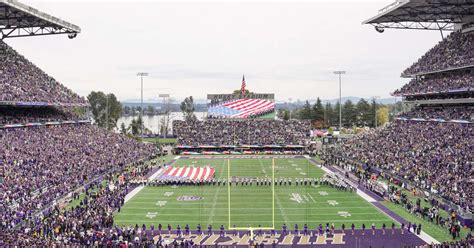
<point x="137" y="190"/>
<point x="423" y="235"/>
<point x="365" y="196"/>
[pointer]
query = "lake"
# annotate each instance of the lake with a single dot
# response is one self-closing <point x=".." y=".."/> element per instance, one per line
<point x="153" y="122"/>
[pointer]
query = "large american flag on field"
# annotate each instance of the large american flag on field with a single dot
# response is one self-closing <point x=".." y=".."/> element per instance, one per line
<point x="241" y="108"/>
<point x="188" y="173"/>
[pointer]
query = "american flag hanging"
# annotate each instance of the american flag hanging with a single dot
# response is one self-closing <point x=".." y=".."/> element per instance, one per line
<point x="242" y="89"/>
<point x="242" y="108"/>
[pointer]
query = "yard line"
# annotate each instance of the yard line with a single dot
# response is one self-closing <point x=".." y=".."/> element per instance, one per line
<point x="214" y="201"/>
<point x="277" y="200"/>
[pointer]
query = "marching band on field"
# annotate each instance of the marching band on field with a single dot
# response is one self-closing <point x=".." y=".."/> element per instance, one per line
<point x="328" y="180"/>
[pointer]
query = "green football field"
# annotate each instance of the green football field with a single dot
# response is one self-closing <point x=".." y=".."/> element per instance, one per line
<point x="244" y="206"/>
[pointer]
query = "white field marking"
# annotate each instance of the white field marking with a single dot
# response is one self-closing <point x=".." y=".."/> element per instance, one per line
<point x="323" y="193"/>
<point x="285" y="218"/>
<point x="156" y="174"/>
<point x="427" y="238"/>
<point x="161" y="203"/>
<point x="332" y="202"/>
<point x="344" y="214"/>
<point x="298" y="169"/>
<point x="169" y="193"/>
<point x="296" y="197"/>
<point x="365" y="196"/>
<point x="177" y="157"/>
<point x="310" y="196"/>
<point x="133" y="193"/>
<point x="151" y="215"/>
<point x="303" y="173"/>
<point x="328" y="171"/>
<point x="216" y="194"/>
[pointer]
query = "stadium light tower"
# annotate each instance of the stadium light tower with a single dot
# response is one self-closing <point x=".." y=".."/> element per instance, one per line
<point x="340" y="100"/>
<point x="141" y="75"/>
<point x="289" y="108"/>
<point x="375" y="109"/>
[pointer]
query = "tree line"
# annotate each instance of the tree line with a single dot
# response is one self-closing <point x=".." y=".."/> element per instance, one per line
<point x="361" y="114"/>
<point x="106" y="110"/>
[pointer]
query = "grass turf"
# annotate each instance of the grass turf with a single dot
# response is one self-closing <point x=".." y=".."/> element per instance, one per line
<point x="251" y="205"/>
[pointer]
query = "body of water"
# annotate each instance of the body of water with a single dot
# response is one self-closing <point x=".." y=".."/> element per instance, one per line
<point x="154" y="122"/>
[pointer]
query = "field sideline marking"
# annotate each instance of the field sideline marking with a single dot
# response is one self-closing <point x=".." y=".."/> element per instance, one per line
<point x="423" y="235"/>
<point x="365" y="196"/>
<point x="136" y="190"/>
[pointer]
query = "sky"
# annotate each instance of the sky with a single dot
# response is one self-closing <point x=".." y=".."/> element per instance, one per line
<point x="195" y="48"/>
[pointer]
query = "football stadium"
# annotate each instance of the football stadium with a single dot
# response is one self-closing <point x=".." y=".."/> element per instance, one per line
<point x="242" y="176"/>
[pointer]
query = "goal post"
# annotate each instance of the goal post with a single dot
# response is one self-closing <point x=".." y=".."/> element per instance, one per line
<point x="250" y="228"/>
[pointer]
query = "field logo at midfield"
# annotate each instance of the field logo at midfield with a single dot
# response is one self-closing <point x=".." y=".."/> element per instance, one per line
<point x="161" y="203"/>
<point x="169" y="193"/>
<point x="323" y="193"/>
<point x="188" y="198"/>
<point x="332" y="202"/>
<point x="344" y="214"/>
<point x="151" y="215"/>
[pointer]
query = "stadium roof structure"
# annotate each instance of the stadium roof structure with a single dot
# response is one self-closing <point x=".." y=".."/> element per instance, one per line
<point x="424" y="14"/>
<point x="20" y="20"/>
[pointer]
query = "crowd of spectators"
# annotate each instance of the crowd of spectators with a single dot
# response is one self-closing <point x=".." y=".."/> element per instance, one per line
<point x="89" y="223"/>
<point x="439" y="82"/>
<point x="41" y="164"/>
<point x="434" y="156"/>
<point x="23" y="115"/>
<point x="238" y="132"/>
<point x="22" y="81"/>
<point x="465" y="113"/>
<point x="456" y="50"/>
